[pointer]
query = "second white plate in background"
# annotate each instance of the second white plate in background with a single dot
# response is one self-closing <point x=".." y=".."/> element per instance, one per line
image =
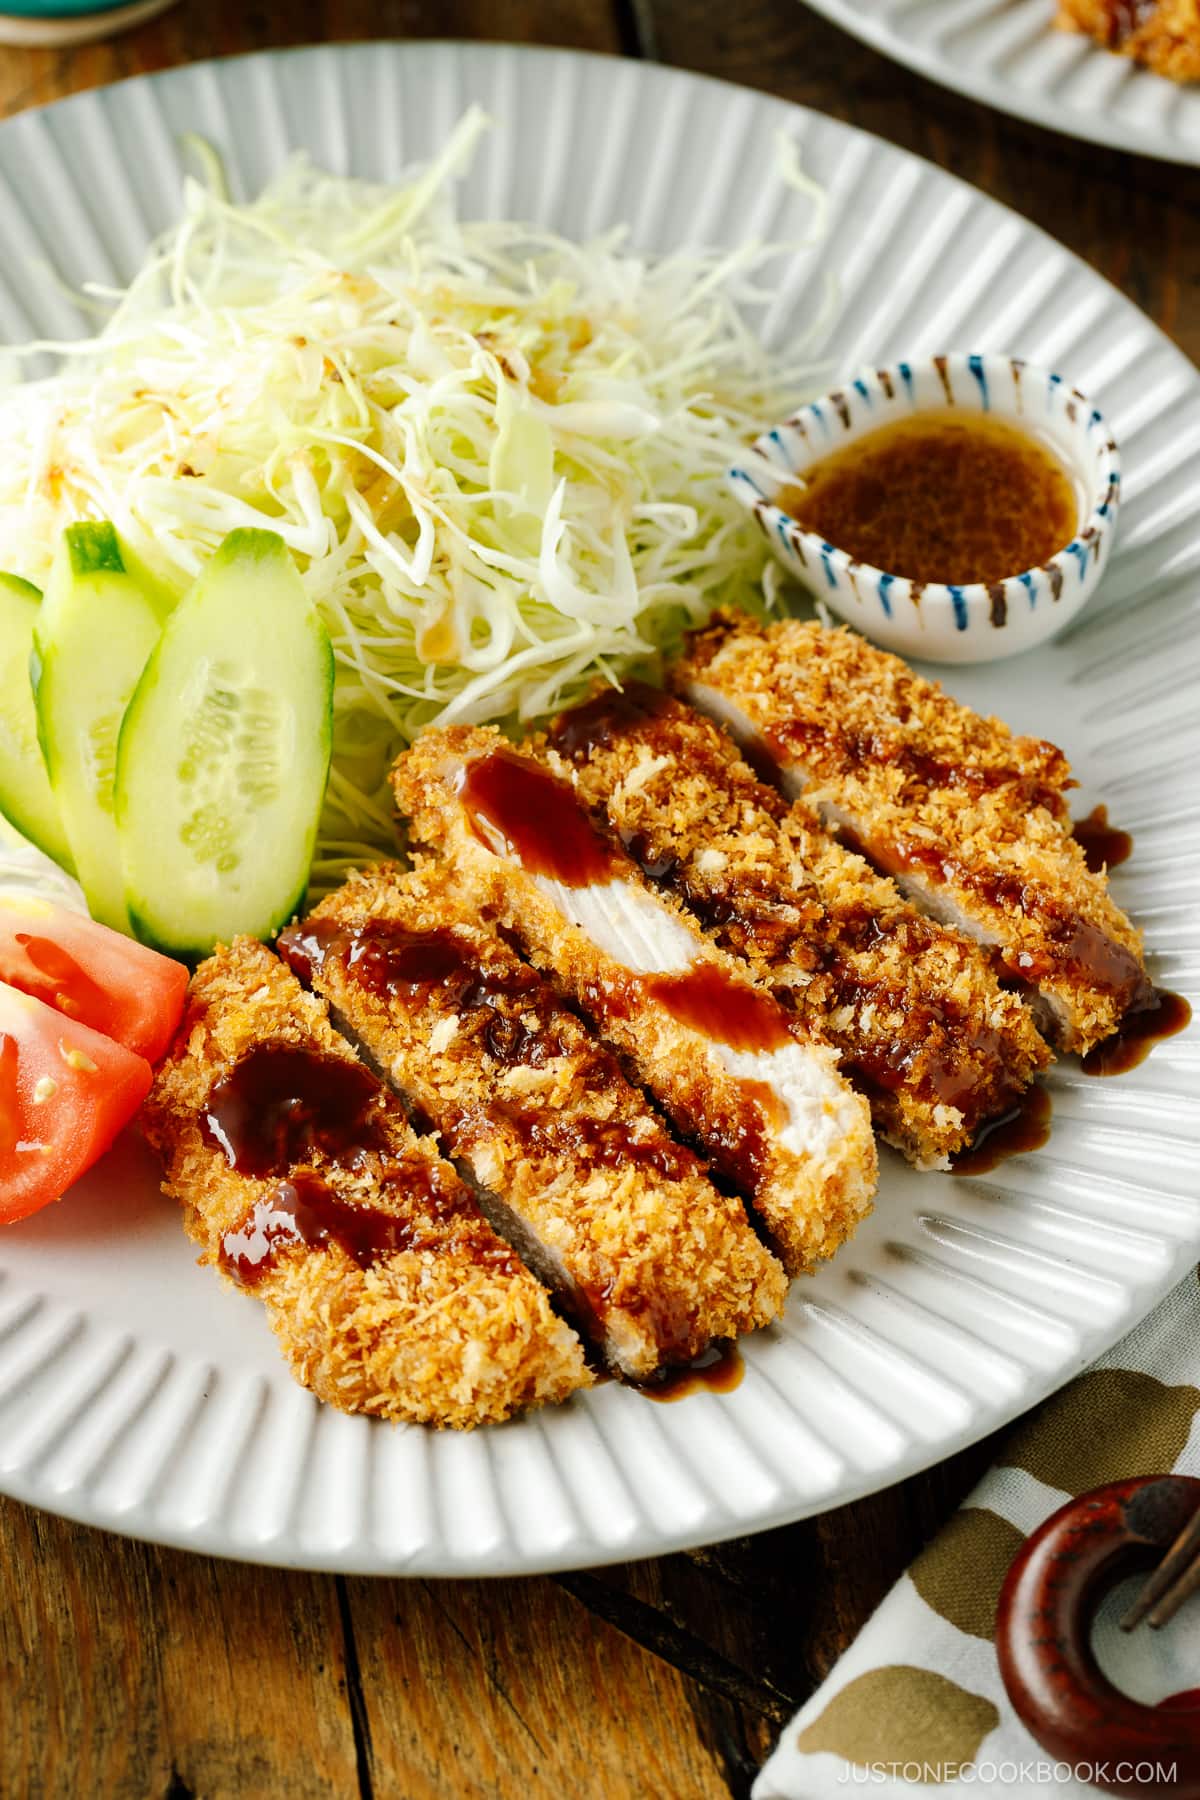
<point x="1008" y="54"/>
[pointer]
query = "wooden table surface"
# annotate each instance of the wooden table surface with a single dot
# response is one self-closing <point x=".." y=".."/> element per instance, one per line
<point x="129" y="1671"/>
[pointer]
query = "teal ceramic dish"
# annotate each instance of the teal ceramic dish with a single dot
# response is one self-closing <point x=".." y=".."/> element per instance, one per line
<point x="58" y="9"/>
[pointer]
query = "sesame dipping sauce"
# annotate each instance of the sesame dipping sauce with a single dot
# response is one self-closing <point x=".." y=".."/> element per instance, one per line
<point x="940" y="497"/>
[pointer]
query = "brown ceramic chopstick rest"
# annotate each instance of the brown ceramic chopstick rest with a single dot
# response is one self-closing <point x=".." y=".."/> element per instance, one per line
<point x="1043" y="1636"/>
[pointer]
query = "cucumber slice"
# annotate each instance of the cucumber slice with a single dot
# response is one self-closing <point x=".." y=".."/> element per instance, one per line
<point x="94" y="630"/>
<point x="26" y="798"/>
<point x="224" y="754"/>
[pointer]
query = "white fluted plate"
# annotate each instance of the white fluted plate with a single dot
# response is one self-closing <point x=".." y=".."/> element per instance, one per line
<point x="137" y="1392"/>
<point x="1010" y="54"/>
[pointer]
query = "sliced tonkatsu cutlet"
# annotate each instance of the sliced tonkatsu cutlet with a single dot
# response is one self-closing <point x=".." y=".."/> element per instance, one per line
<point x="729" y="1066"/>
<point x="923" y="1025"/>
<point x="303" y="1182"/>
<point x="970" y="820"/>
<point x="571" y="1164"/>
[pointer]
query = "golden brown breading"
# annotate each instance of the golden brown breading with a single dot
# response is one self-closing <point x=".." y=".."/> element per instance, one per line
<point x="970" y="820"/>
<point x="1163" y="35"/>
<point x="724" y="1060"/>
<point x="448" y="1328"/>
<point x="922" y="1023"/>
<point x="650" y="1259"/>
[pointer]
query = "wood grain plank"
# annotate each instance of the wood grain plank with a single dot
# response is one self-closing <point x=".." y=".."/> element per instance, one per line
<point x="225" y="27"/>
<point x="134" y="1672"/>
<point x="479" y="1689"/>
<point x="1135" y="220"/>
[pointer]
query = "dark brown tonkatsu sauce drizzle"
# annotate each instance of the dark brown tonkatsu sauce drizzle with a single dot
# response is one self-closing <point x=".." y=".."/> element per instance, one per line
<point x="393" y="962"/>
<point x="940" y="497"/>
<point x="717" y="1370"/>
<point x="1103" y="845"/>
<point x="926" y="1054"/>
<point x="611" y="713"/>
<point x="705" y="998"/>
<point x="304" y="946"/>
<point x="739" y="1147"/>
<point x="281" y="1105"/>
<point x="521" y="810"/>
<point x="1026" y="1127"/>
<point x="607" y="1143"/>
<point x="1122" y="18"/>
<point x="878" y="1063"/>
<point x="730" y="1012"/>
<point x="540" y="821"/>
<point x="305" y="1210"/>
<point x="823" y="747"/>
<point x="1072" y="946"/>
<point x="1077" y="948"/>
<point x="396" y="964"/>
<point x="1139" y="1031"/>
<point x="765" y="755"/>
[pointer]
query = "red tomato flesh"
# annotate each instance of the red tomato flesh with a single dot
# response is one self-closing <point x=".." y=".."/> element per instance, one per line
<point x="90" y="974"/>
<point x="65" y="1093"/>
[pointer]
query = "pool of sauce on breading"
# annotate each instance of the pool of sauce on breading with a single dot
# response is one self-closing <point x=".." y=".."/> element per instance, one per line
<point x="1026" y="1127"/>
<point x="519" y="809"/>
<point x="282" y="1104"/>
<point x="612" y="713"/>
<point x="941" y="496"/>
<point x="277" y="1109"/>
<point x="713" y="1003"/>
<point x="305" y="1210"/>
<point x="717" y="1370"/>
<point x="391" y="961"/>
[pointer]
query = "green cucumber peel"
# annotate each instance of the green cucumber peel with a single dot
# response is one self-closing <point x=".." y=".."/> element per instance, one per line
<point x="224" y="754"/>
<point x="92" y="636"/>
<point x="26" y="797"/>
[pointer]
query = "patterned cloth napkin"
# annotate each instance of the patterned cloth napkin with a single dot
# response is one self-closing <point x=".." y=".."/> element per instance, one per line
<point x="917" y="1704"/>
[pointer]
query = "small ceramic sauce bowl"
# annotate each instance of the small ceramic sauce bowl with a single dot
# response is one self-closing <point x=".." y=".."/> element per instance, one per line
<point x="935" y="621"/>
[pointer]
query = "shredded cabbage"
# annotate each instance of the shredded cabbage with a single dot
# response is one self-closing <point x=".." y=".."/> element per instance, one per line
<point x="497" y="455"/>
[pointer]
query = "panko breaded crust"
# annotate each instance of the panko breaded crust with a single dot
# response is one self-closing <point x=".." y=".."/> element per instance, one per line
<point x="651" y="1261"/>
<point x="805" y="1159"/>
<point x="452" y="1331"/>
<point x="1162" y="35"/>
<point x="922" y="1023"/>
<point x="970" y="820"/>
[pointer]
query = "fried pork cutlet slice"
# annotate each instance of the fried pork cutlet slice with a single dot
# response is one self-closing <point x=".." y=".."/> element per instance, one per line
<point x="650" y="1261"/>
<point x="302" y="1180"/>
<point x="971" y="821"/>
<point x="724" y="1060"/>
<point x="923" y="1025"/>
<point x="1163" y="35"/>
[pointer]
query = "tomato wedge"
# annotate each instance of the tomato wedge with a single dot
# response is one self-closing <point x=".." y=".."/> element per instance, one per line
<point x="65" y="1093"/>
<point x="92" y="975"/>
